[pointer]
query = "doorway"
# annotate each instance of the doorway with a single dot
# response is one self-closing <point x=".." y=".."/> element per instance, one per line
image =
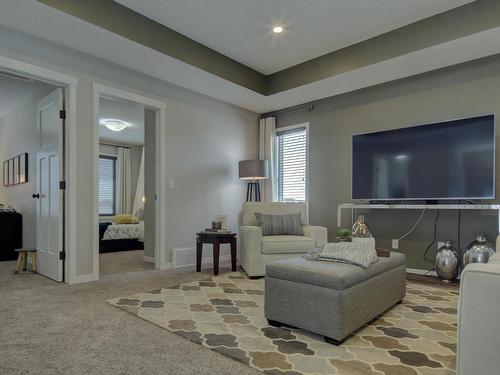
<point x="32" y="152"/>
<point x="128" y="182"/>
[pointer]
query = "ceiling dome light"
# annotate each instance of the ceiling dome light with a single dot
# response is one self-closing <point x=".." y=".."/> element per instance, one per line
<point x="278" y="29"/>
<point x="115" y="125"/>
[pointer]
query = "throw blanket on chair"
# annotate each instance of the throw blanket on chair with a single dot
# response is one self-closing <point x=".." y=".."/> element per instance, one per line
<point x="361" y="252"/>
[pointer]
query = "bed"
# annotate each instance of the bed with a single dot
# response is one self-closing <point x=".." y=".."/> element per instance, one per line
<point x="120" y="237"/>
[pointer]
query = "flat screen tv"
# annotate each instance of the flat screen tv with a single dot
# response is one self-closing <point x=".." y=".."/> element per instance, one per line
<point x="446" y="160"/>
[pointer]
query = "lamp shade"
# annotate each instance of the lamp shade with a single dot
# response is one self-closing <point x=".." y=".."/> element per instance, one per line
<point x="254" y="169"/>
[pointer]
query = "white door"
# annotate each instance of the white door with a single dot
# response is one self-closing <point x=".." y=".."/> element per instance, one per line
<point x="49" y="173"/>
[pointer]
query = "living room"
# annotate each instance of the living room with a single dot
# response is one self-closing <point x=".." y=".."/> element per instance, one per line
<point x="250" y="79"/>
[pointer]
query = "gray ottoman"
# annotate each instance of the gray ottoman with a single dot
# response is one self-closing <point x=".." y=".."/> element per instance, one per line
<point x="332" y="299"/>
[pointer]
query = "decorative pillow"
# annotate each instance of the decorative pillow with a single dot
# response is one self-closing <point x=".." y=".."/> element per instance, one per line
<point x="126" y="219"/>
<point x="279" y="225"/>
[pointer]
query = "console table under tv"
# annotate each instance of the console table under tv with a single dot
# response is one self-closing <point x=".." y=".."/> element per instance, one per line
<point x="354" y="206"/>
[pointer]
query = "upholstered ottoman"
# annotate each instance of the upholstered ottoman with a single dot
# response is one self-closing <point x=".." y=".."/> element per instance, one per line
<point x="332" y="299"/>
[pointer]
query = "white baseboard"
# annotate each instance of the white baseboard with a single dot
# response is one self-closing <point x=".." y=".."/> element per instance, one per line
<point x="148" y="259"/>
<point x="167" y="266"/>
<point x="186" y="258"/>
<point x="78" y="279"/>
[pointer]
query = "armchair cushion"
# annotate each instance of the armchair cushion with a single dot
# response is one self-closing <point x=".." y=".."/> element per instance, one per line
<point x="287" y="244"/>
<point x="320" y="234"/>
<point x="272" y="208"/>
<point x="278" y="225"/>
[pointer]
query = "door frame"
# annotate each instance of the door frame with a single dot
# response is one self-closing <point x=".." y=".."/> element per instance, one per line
<point x="69" y="83"/>
<point x="101" y="90"/>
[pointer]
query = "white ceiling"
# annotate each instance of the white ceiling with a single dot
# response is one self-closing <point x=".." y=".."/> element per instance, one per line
<point x="15" y="91"/>
<point x="132" y="114"/>
<point x="32" y="17"/>
<point x="242" y="29"/>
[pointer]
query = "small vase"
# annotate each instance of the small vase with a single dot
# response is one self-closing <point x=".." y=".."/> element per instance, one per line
<point x="360" y="228"/>
<point x="478" y="251"/>
<point x="447" y="263"/>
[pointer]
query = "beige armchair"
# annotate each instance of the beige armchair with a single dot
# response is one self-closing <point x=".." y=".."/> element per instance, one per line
<point x="256" y="250"/>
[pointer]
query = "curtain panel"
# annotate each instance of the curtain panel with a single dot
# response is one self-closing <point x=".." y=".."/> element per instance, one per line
<point x="123" y="181"/>
<point x="266" y="152"/>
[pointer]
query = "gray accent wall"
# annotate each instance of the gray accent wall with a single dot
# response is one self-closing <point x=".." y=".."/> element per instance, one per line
<point x="463" y="91"/>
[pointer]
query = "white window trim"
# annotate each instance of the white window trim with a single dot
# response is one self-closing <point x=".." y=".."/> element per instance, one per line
<point x="275" y="162"/>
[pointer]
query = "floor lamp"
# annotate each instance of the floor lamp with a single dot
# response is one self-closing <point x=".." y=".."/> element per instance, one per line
<point x="253" y="171"/>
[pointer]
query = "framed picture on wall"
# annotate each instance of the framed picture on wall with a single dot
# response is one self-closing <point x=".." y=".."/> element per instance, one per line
<point x="16" y="170"/>
<point x="23" y="168"/>
<point x="5" y="173"/>
<point x="11" y="171"/>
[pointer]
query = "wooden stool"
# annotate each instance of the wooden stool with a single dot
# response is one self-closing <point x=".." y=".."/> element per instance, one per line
<point x="22" y="258"/>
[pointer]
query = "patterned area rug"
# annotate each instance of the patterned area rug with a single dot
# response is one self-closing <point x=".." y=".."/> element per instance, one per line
<point x="226" y="315"/>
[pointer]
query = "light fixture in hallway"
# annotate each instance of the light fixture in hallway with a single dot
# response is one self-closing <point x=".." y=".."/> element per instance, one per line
<point x="115" y="125"/>
<point x="278" y="29"/>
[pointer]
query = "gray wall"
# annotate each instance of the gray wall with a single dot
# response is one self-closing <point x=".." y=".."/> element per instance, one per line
<point x="205" y="140"/>
<point x="149" y="182"/>
<point x="19" y="134"/>
<point x="463" y="91"/>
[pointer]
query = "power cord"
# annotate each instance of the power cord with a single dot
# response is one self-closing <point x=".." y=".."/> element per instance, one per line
<point x="415" y="226"/>
<point x="433" y="239"/>
<point x="459" y="219"/>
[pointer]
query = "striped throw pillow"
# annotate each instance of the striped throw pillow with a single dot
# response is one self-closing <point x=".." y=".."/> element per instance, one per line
<point x="278" y="225"/>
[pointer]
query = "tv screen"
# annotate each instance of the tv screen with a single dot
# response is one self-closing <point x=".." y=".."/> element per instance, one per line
<point x="447" y="160"/>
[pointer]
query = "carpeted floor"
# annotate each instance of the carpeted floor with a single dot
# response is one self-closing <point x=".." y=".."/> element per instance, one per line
<point x="51" y="328"/>
<point x="417" y="337"/>
<point x="123" y="261"/>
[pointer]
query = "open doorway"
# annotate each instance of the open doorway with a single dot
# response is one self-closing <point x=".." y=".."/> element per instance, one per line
<point x="126" y="186"/>
<point x="32" y="139"/>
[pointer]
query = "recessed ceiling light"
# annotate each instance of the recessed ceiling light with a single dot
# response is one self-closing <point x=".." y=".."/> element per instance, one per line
<point x="115" y="125"/>
<point x="278" y="29"/>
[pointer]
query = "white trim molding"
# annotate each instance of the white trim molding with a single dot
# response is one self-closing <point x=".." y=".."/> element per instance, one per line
<point x="160" y="258"/>
<point x="185" y="258"/>
<point x="69" y="83"/>
<point x="308" y="156"/>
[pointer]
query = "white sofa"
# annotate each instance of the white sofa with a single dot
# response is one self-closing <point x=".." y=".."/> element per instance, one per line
<point x="478" y="351"/>
<point x="256" y="251"/>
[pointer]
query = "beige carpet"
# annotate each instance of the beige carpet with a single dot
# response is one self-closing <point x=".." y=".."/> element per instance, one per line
<point x="417" y="337"/>
<point x="51" y="328"/>
<point x="123" y="261"/>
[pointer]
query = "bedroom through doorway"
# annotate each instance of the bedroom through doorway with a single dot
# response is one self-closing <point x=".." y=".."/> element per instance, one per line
<point x="126" y="187"/>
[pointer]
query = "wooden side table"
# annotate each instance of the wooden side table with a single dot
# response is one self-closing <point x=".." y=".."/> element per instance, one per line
<point x="216" y="239"/>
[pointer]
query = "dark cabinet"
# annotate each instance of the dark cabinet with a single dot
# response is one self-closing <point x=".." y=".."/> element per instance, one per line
<point x="11" y="234"/>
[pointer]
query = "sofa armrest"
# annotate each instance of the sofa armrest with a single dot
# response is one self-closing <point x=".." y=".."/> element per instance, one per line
<point x="478" y="309"/>
<point x="320" y="234"/>
<point x="251" y="249"/>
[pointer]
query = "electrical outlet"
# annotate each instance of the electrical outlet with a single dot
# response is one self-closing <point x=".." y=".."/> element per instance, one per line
<point x="440" y="244"/>
<point x="395" y="244"/>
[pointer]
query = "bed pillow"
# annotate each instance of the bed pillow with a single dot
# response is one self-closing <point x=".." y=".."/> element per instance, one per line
<point x="126" y="219"/>
<point x="280" y="225"/>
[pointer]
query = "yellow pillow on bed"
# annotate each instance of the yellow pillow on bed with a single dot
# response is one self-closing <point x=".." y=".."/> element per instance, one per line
<point x="126" y="219"/>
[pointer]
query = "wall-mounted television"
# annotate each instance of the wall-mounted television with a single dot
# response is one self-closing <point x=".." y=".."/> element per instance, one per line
<point x="447" y="160"/>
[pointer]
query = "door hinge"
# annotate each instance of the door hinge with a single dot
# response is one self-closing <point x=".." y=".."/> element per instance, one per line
<point x="62" y="185"/>
<point x="62" y="255"/>
<point x="62" y="114"/>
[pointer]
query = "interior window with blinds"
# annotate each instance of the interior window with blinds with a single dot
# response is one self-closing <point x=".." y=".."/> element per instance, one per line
<point x="107" y="185"/>
<point x="291" y="165"/>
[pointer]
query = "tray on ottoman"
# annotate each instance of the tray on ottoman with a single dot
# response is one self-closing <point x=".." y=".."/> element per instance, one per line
<point x="332" y="299"/>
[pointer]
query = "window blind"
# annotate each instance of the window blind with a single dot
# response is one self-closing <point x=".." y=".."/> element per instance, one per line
<point x="291" y="166"/>
<point x="107" y="185"/>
